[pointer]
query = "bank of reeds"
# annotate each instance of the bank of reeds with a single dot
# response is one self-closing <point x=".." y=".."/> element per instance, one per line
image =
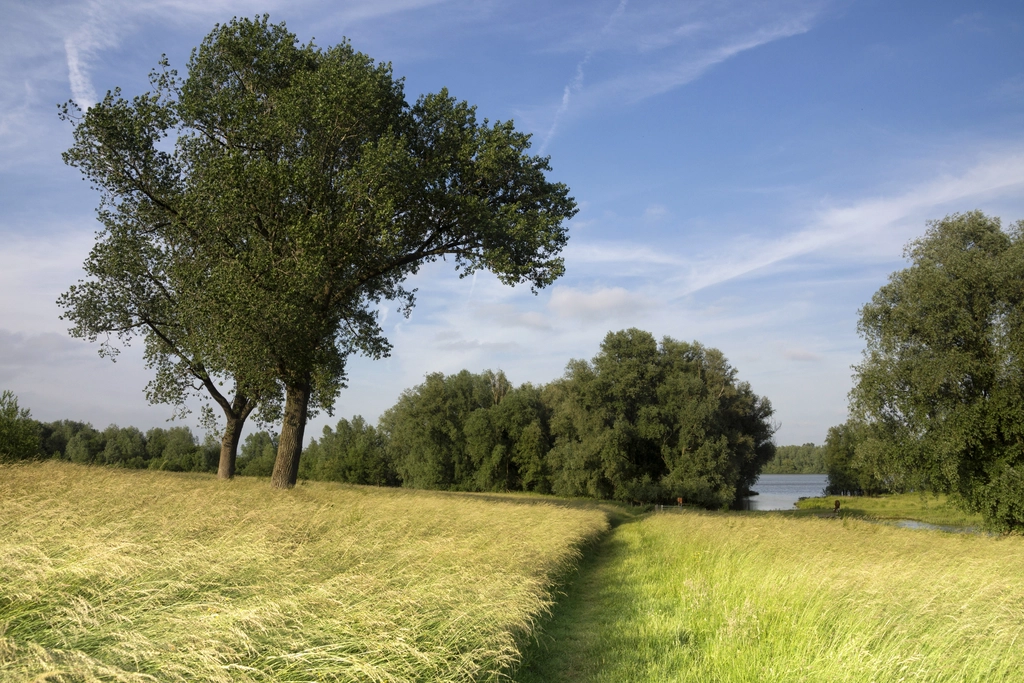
<point x="116" y="575"/>
<point x="688" y="596"/>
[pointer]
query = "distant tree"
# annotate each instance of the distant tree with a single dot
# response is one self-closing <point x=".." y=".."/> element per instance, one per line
<point x="258" y="454"/>
<point x="469" y="432"/>
<point x="508" y="441"/>
<point x="607" y="421"/>
<point x="725" y="430"/>
<point x="19" y="433"/>
<point x="943" y="371"/>
<point x="123" y="447"/>
<point x="299" y="189"/>
<point x="844" y="477"/>
<point x="353" y="452"/>
<point x="55" y="436"/>
<point x="425" y="430"/>
<point x="804" y="459"/>
<point x="85" y="446"/>
<point x="175" y="450"/>
<point x="644" y="422"/>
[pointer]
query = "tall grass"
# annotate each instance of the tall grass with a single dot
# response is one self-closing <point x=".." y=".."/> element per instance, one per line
<point x="745" y="597"/>
<point x="115" y="575"/>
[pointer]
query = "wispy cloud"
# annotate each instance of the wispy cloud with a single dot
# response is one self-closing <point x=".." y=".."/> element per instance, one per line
<point x="576" y="83"/>
<point x="81" y="32"/>
<point x="652" y="49"/>
<point x="871" y="229"/>
<point x="595" y="252"/>
<point x="373" y="9"/>
<point x="668" y="75"/>
<point x="802" y="355"/>
<point x="96" y="32"/>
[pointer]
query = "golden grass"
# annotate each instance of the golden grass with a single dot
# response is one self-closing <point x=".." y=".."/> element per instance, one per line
<point x="115" y="575"/>
<point x="767" y="597"/>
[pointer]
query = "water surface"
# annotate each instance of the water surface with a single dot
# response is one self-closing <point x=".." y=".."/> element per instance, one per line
<point x="781" y="491"/>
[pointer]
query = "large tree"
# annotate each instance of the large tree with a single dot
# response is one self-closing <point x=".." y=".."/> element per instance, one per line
<point x="297" y="189"/>
<point x="133" y="290"/>
<point x="943" y="373"/>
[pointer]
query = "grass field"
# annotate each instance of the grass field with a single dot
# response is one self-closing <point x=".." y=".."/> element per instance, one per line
<point x="920" y="507"/>
<point x="688" y="596"/>
<point x="115" y="575"/>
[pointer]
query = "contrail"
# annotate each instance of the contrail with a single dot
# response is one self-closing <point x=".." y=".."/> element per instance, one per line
<point x="577" y="82"/>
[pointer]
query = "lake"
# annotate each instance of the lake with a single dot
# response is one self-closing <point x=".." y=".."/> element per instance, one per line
<point x="781" y="491"/>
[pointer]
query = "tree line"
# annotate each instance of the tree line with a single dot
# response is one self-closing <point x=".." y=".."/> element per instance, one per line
<point x="175" y="449"/>
<point x="803" y="459"/>
<point x="936" y="403"/>
<point x="643" y="421"/>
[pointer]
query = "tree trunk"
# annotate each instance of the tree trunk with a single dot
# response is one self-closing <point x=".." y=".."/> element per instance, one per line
<point x="229" y="447"/>
<point x="235" y="414"/>
<point x="286" y="466"/>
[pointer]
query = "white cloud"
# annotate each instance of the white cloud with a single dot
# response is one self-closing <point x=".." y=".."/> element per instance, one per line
<point x="20" y="351"/>
<point x="604" y="304"/>
<point x="801" y="355"/>
<point x="620" y="252"/>
<point x="511" y="315"/>
<point x="655" y="212"/>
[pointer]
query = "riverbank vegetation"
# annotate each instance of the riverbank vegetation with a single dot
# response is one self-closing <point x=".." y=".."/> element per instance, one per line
<point x="690" y="596"/>
<point x="126" y="575"/>
<point x="920" y="507"/>
<point x="936" y="400"/>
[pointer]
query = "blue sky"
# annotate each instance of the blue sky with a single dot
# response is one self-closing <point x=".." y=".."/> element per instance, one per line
<point x="747" y="174"/>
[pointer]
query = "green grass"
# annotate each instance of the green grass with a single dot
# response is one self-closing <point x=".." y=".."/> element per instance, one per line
<point x="917" y="506"/>
<point x="686" y="596"/>
<point x="115" y="575"/>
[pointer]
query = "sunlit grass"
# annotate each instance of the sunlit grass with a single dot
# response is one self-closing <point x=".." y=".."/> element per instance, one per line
<point x="922" y="507"/>
<point x="114" y="575"/>
<point x="686" y="596"/>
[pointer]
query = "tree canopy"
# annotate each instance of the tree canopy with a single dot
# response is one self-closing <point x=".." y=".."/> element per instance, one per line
<point x="645" y="421"/>
<point x="133" y="289"/>
<point x="943" y="372"/>
<point x="293" y="188"/>
<point x="469" y="432"/>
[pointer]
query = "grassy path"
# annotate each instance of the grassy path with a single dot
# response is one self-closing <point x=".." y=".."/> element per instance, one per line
<point x="755" y="597"/>
<point x="572" y="645"/>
